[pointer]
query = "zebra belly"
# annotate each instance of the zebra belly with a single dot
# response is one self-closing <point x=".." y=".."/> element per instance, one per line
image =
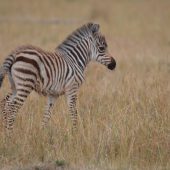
<point x="49" y="92"/>
<point x="53" y="91"/>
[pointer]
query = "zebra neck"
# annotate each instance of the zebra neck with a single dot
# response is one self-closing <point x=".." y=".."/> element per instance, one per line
<point x="76" y="54"/>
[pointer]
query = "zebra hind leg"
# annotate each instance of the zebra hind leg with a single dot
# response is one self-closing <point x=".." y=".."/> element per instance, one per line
<point x="4" y="100"/>
<point x="48" y="110"/>
<point x="2" y="106"/>
<point x="11" y="108"/>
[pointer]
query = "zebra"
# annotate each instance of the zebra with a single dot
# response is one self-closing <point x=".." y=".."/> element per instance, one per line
<point x="52" y="74"/>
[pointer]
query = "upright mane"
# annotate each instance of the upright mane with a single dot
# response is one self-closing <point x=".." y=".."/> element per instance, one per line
<point x="81" y="32"/>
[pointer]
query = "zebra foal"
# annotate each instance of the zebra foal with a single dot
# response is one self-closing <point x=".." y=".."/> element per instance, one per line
<point x="52" y="73"/>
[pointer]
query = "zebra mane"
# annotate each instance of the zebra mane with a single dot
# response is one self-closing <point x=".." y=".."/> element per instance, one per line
<point x="86" y="30"/>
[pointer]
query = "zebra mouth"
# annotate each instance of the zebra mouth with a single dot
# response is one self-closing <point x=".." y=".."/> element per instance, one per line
<point x="112" y="65"/>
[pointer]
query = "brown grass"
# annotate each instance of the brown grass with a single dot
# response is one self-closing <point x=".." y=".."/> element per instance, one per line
<point x="124" y="116"/>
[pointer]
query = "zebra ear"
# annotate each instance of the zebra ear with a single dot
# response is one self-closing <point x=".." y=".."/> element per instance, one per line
<point x="94" y="27"/>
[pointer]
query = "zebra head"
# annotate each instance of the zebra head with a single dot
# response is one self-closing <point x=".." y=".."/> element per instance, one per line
<point x="100" y="49"/>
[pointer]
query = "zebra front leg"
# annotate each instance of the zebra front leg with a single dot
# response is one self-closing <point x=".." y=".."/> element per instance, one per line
<point x="48" y="110"/>
<point x="71" y="95"/>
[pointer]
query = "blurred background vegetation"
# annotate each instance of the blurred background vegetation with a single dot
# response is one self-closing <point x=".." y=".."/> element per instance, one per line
<point x="134" y="20"/>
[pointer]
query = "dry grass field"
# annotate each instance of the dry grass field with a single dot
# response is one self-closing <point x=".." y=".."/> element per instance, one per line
<point x="124" y="115"/>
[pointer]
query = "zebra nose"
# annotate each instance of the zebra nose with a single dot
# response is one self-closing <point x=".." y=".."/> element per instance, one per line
<point x="112" y="65"/>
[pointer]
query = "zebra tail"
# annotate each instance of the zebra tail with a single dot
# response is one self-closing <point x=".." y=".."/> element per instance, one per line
<point x="6" y="67"/>
<point x="2" y="75"/>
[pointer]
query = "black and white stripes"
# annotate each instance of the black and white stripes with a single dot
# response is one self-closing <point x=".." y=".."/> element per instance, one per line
<point x="52" y="73"/>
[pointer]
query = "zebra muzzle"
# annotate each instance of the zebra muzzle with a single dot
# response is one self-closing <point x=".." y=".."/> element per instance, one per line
<point x="112" y="65"/>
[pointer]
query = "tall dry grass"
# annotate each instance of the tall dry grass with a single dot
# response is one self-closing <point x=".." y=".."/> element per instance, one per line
<point x="123" y="115"/>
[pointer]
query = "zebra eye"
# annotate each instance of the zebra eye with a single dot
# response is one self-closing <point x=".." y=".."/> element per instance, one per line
<point x="101" y="48"/>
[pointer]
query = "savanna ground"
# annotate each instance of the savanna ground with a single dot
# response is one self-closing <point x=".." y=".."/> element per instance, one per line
<point x="124" y="116"/>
